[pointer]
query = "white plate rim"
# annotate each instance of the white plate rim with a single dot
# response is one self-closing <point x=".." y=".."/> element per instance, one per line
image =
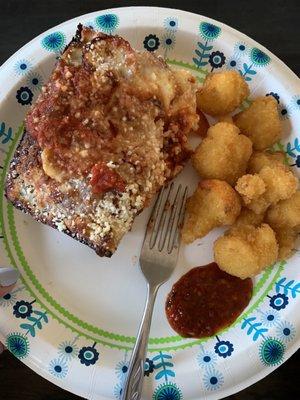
<point x="283" y="70"/>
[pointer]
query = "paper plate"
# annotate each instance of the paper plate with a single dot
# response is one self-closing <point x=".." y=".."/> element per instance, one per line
<point x="73" y="316"/>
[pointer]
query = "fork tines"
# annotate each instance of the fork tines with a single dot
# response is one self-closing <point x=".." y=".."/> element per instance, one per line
<point x="166" y="219"/>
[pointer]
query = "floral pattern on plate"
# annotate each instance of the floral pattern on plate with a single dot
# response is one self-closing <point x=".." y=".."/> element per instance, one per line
<point x="91" y="359"/>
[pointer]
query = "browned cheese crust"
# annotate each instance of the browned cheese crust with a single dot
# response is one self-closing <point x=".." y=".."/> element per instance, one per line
<point x="106" y="133"/>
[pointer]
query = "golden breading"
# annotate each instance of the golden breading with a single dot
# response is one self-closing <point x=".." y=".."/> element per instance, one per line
<point x="260" y="159"/>
<point x="249" y="217"/>
<point x="203" y="124"/>
<point x="260" y="122"/>
<point x="268" y="187"/>
<point x="222" y="93"/>
<point x="286" y="213"/>
<point x="213" y="204"/>
<point x="280" y="183"/>
<point x="286" y="239"/>
<point x="223" y="154"/>
<point x="245" y="251"/>
<point x="250" y="187"/>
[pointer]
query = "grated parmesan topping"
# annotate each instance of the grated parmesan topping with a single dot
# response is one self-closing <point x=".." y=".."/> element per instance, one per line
<point x="141" y="136"/>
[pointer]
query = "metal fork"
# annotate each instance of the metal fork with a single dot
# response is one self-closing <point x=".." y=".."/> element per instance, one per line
<point x="157" y="261"/>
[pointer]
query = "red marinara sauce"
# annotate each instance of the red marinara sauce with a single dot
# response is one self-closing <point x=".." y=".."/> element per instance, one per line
<point x="104" y="179"/>
<point x="206" y="300"/>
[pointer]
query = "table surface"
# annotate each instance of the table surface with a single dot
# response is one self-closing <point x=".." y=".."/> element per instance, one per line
<point x="273" y="23"/>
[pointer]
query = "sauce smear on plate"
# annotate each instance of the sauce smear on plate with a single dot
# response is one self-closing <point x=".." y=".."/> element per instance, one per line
<point x="206" y="300"/>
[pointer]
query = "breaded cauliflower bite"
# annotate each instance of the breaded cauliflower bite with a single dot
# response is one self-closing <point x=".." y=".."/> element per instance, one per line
<point x="280" y="183"/>
<point x="268" y="187"/>
<point x="222" y="93"/>
<point x="249" y="217"/>
<point x="260" y="122"/>
<point x="223" y="154"/>
<point x="285" y="213"/>
<point x="260" y="159"/>
<point x="286" y="239"/>
<point x="251" y="188"/>
<point x="244" y="251"/>
<point x="213" y="204"/>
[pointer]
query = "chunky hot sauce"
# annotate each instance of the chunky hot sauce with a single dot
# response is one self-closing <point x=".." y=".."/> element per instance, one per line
<point x="104" y="179"/>
<point x="206" y="300"/>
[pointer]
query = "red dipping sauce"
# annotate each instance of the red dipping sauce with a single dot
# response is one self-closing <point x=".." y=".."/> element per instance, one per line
<point x="206" y="300"/>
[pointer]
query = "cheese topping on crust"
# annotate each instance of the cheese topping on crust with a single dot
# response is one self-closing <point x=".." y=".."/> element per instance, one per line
<point x="112" y="126"/>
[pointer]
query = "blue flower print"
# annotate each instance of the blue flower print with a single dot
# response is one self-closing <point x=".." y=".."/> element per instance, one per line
<point x="296" y="100"/>
<point x="68" y="350"/>
<point x="295" y="103"/>
<point x="22" y="67"/>
<point x="22" y="309"/>
<point x="151" y="42"/>
<point x="285" y="331"/>
<point x="279" y="301"/>
<point x="55" y="42"/>
<point x="24" y="95"/>
<point x="168" y="41"/>
<point x="88" y="355"/>
<point x="275" y="95"/>
<point x="118" y="390"/>
<point x="209" y="31"/>
<point x="18" y="345"/>
<point x="149" y="367"/>
<point x="271" y="352"/>
<point x="107" y="22"/>
<point x="240" y="49"/>
<point x="167" y="391"/>
<point x="297" y="163"/>
<point x="8" y="299"/>
<point x="216" y="60"/>
<point x="259" y="58"/>
<point x="269" y="318"/>
<point x="284" y="113"/>
<point x="171" y="24"/>
<point x="6" y="134"/>
<point x="224" y="348"/>
<point x="35" y="81"/>
<point x="122" y="369"/>
<point x="58" y="368"/>
<point x="233" y="63"/>
<point x="206" y="358"/>
<point x="213" y="379"/>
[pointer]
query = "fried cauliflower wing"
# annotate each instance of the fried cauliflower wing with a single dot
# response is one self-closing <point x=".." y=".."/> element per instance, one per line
<point x="222" y="93"/>
<point x="285" y="213"/>
<point x="280" y="183"/>
<point x="268" y="187"/>
<point x="286" y="239"/>
<point x="223" y="154"/>
<point x="244" y="251"/>
<point x="251" y="188"/>
<point x="213" y="204"/>
<point x="260" y="159"/>
<point x="260" y="122"/>
<point x="249" y="217"/>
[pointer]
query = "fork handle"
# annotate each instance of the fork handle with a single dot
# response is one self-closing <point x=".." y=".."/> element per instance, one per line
<point x="133" y="386"/>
